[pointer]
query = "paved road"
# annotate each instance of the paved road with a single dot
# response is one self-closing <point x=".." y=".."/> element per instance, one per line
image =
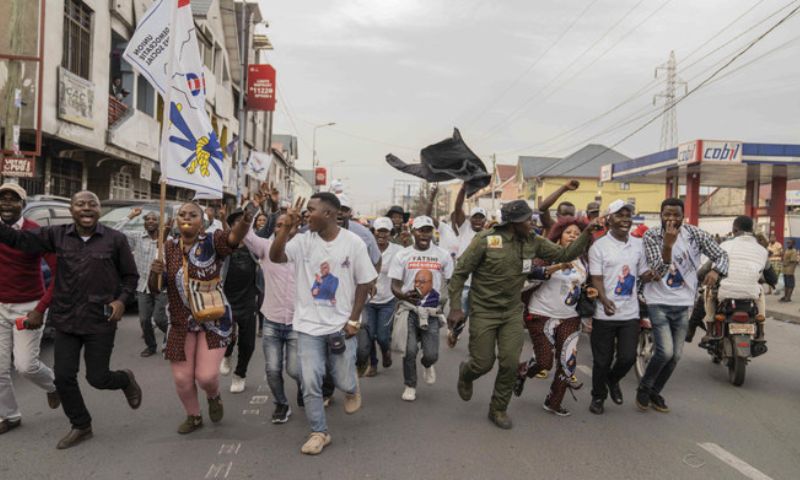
<point x="715" y="430"/>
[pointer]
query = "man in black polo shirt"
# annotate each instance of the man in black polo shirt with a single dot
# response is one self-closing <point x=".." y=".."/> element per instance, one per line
<point x="95" y="277"/>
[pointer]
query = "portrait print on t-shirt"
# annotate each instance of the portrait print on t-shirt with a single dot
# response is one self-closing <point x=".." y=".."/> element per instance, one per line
<point x="424" y="272"/>
<point x="423" y="283"/>
<point x="625" y="283"/>
<point x="674" y="277"/>
<point x="323" y="290"/>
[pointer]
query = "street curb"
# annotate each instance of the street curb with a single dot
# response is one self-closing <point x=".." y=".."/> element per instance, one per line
<point x="784" y="317"/>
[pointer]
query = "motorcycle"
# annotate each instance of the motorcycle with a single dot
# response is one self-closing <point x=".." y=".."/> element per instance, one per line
<point x="734" y="337"/>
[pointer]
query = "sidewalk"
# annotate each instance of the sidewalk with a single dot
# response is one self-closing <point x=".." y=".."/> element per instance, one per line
<point x="785" y="312"/>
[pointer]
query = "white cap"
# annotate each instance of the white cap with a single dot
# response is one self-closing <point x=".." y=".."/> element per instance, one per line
<point x="477" y="211"/>
<point x="382" y="223"/>
<point x="422" y="221"/>
<point x="337" y="187"/>
<point x="618" y="205"/>
<point x="344" y="201"/>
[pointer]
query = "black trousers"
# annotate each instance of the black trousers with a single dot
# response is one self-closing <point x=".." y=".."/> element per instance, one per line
<point x="96" y="355"/>
<point x="609" y="337"/>
<point x="246" y="325"/>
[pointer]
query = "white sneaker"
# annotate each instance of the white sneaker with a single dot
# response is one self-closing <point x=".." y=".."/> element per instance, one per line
<point x="225" y="366"/>
<point x="237" y="384"/>
<point x="409" y="394"/>
<point x="429" y="374"/>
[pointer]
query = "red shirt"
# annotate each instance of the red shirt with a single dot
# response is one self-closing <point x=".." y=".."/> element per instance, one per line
<point x="21" y="278"/>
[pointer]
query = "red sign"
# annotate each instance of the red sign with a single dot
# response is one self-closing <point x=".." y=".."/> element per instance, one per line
<point x="320" y="177"/>
<point x="18" y="167"/>
<point x="261" y="87"/>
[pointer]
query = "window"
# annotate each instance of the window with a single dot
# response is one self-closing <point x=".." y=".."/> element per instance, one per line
<point x="66" y="177"/>
<point x="39" y="215"/>
<point x="77" y="41"/>
<point x="624" y="186"/>
<point x="145" y="96"/>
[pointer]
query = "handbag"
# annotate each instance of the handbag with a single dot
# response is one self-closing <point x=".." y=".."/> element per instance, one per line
<point x="586" y="305"/>
<point x="206" y="297"/>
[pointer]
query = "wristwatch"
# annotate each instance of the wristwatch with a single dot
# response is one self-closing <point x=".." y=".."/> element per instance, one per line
<point x="354" y="324"/>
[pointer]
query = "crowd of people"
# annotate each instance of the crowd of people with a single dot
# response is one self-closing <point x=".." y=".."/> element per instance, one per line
<point x="332" y="299"/>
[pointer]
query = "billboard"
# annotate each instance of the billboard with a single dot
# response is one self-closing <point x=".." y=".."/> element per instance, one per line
<point x="261" y="87"/>
<point x="320" y="177"/>
<point x="689" y="152"/>
<point x="722" y="151"/>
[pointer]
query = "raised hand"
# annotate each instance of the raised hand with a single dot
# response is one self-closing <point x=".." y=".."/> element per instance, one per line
<point x="135" y="212"/>
<point x="572" y="185"/>
<point x="671" y="230"/>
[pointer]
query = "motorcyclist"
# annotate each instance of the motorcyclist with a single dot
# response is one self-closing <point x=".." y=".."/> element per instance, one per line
<point x="748" y="262"/>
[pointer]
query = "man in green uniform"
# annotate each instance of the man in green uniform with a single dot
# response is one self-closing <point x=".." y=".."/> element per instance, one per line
<point x="499" y="260"/>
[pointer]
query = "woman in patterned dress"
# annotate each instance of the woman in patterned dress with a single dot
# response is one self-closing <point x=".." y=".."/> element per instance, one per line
<point x="195" y="349"/>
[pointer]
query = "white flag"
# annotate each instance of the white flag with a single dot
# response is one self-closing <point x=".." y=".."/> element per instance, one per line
<point x="258" y="165"/>
<point x="164" y="50"/>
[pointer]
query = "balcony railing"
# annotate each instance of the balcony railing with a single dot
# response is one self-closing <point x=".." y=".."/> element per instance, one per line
<point x="116" y="110"/>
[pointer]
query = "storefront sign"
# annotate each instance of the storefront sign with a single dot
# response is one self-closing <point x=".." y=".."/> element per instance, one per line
<point x="714" y="151"/>
<point x="320" y="177"/>
<point x="689" y="153"/>
<point x="75" y="98"/>
<point x="606" y="172"/>
<point x="261" y="87"/>
<point x="18" y="167"/>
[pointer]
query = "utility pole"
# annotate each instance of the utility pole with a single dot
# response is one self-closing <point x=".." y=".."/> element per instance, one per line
<point x="243" y="54"/>
<point x="494" y="183"/>
<point x="669" y="127"/>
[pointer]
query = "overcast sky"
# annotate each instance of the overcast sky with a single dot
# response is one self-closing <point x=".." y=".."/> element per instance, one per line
<point x="397" y="75"/>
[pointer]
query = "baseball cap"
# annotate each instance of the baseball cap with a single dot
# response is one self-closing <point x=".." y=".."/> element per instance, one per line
<point x="16" y="188"/>
<point x="477" y="211"/>
<point x="422" y="221"/>
<point x="382" y="223"/>
<point x="618" y="205"/>
<point x="344" y="201"/>
<point x="593" y="207"/>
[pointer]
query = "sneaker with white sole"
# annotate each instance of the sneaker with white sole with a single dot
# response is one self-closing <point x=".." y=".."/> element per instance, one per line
<point x="237" y="384"/>
<point x="409" y="394"/>
<point x="316" y="442"/>
<point x="429" y="374"/>
<point x="352" y="401"/>
<point x="225" y="366"/>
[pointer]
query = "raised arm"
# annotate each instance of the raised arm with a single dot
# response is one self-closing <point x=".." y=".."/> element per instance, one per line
<point x="238" y="232"/>
<point x="547" y="203"/>
<point x="457" y="217"/>
<point x="277" y="251"/>
<point x="431" y="202"/>
<point x="36" y="240"/>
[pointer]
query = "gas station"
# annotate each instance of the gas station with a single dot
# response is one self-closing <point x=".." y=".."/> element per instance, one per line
<point x="718" y="164"/>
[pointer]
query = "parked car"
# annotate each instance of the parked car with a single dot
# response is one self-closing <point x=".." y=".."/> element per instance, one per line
<point x="114" y="211"/>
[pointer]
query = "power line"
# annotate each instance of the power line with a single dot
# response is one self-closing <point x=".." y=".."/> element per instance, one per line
<point x="522" y="75"/>
<point x="285" y="107"/>
<point x="688" y="94"/>
<point x="652" y="83"/>
<point x="492" y="131"/>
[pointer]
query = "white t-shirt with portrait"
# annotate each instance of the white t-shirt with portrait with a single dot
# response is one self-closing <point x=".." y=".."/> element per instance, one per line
<point x="558" y="296"/>
<point x="384" y="284"/>
<point x="327" y="274"/>
<point x="620" y="264"/>
<point x="679" y="286"/>
<point x="425" y="270"/>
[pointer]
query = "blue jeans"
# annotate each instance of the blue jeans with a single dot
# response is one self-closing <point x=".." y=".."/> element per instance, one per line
<point x="314" y="357"/>
<point x="669" y="331"/>
<point x="429" y="339"/>
<point x="377" y="326"/>
<point x="279" y="341"/>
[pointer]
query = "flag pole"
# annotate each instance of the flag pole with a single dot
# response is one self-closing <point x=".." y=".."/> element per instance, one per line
<point x="161" y="207"/>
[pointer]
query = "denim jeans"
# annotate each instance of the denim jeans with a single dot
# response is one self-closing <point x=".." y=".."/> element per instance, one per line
<point x="152" y="308"/>
<point x="430" y="348"/>
<point x="669" y="332"/>
<point x="279" y="342"/>
<point x="377" y="326"/>
<point x="314" y="357"/>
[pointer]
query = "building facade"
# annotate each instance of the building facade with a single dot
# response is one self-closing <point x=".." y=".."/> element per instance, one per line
<point x="101" y="121"/>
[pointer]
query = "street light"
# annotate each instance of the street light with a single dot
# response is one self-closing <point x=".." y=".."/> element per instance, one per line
<point x="314" y="162"/>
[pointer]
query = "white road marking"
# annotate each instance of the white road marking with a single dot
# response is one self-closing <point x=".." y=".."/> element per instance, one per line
<point x="263" y="388"/>
<point x="215" y="470"/>
<point x="733" y="461"/>
<point x="585" y="370"/>
<point x="229" y="449"/>
<point x="259" y="399"/>
<point x="252" y="411"/>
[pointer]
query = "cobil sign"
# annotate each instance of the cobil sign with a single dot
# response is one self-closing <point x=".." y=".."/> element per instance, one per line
<point x="698" y="151"/>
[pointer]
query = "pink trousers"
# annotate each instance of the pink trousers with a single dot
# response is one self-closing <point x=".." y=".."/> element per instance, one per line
<point x="200" y="368"/>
